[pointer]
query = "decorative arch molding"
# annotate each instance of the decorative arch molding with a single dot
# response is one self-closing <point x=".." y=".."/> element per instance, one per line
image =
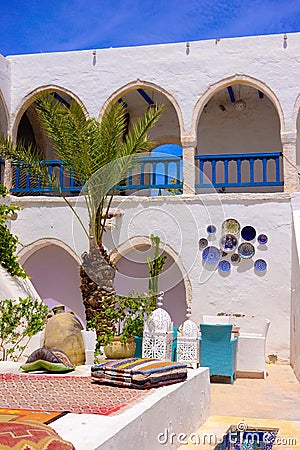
<point x="28" y="100"/>
<point x="296" y="112"/>
<point x="5" y="110"/>
<point x="138" y="84"/>
<point x="34" y="246"/>
<point x="139" y="241"/>
<point x="235" y="79"/>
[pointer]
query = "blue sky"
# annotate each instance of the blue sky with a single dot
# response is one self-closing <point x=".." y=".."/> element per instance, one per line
<point x="33" y="26"/>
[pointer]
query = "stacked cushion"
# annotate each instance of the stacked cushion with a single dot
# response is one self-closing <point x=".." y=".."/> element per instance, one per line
<point x="139" y="373"/>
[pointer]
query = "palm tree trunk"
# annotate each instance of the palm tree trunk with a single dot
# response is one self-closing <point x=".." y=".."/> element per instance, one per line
<point x="97" y="275"/>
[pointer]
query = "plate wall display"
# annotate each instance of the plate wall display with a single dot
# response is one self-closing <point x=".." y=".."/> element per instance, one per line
<point x="231" y="226"/>
<point x="248" y="233"/>
<point x="229" y="243"/>
<point x="246" y="250"/>
<point x="235" y="257"/>
<point x="203" y="243"/>
<point x="211" y="229"/>
<point x="224" y="266"/>
<point x="260" y="265"/>
<point x="262" y="239"/>
<point x="211" y="255"/>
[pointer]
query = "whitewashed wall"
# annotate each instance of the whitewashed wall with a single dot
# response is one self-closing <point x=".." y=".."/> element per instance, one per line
<point x="93" y="79"/>
<point x="180" y="222"/>
<point x="295" y="304"/>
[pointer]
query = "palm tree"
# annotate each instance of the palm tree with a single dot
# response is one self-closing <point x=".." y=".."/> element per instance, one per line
<point x="99" y="154"/>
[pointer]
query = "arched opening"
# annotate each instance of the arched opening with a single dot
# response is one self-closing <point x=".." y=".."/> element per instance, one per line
<point x="55" y="275"/>
<point x="238" y="141"/>
<point x="28" y="130"/>
<point x="133" y="276"/>
<point x="155" y="172"/>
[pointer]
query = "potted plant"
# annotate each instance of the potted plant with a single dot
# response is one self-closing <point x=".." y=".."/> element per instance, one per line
<point x="125" y="317"/>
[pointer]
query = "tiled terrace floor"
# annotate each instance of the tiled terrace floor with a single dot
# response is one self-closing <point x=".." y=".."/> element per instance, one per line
<point x="270" y="403"/>
<point x="276" y="397"/>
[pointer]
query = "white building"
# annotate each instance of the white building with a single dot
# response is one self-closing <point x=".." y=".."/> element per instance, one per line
<point x="237" y="97"/>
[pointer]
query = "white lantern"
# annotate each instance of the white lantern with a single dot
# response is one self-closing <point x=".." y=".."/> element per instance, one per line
<point x="188" y="344"/>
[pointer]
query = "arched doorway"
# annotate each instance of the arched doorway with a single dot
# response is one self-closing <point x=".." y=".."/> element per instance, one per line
<point x="152" y="173"/>
<point x="239" y="128"/>
<point x="55" y="275"/>
<point x="133" y="275"/>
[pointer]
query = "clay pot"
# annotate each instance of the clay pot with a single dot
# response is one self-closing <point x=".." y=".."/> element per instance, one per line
<point x="118" y="350"/>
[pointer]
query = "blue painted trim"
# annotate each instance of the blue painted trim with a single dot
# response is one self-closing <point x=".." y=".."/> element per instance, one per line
<point x="234" y="156"/>
<point x="60" y="99"/>
<point x="231" y="94"/>
<point x="260" y="94"/>
<point x="145" y="96"/>
<point x="121" y="101"/>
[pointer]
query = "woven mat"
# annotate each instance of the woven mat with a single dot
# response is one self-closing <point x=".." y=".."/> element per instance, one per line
<point x="72" y="394"/>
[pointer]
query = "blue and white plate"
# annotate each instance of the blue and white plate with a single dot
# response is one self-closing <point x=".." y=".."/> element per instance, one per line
<point x="211" y="255"/>
<point x="262" y="239"/>
<point x="246" y="250"/>
<point x="260" y="265"/>
<point x="224" y="266"/>
<point x="248" y="233"/>
<point x="211" y="229"/>
<point x="229" y="243"/>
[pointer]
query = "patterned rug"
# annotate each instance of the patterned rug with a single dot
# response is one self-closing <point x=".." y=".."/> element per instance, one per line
<point x="71" y="394"/>
<point x="27" y="415"/>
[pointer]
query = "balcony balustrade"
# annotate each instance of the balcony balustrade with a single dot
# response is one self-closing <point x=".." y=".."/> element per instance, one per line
<point x="161" y="172"/>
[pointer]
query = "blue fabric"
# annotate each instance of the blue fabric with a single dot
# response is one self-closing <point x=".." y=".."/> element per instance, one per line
<point x="138" y="349"/>
<point x="174" y="345"/>
<point x="218" y="350"/>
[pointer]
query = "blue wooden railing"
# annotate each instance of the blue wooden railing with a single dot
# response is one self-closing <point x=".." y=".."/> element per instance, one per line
<point x="239" y="170"/>
<point x="161" y="172"/>
<point x="150" y="173"/>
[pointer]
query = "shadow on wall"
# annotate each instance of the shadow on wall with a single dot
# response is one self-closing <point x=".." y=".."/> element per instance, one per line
<point x="133" y="275"/>
<point x="55" y="276"/>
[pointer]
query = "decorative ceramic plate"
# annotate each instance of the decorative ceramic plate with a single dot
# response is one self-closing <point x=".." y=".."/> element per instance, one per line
<point x="260" y="265"/>
<point x="224" y="266"/>
<point x="211" y="229"/>
<point x="262" y="239"/>
<point x="246" y="250"/>
<point x="211" y="255"/>
<point x="235" y="257"/>
<point x="248" y="233"/>
<point x="203" y="243"/>
<point x="229" y="243"/>
<point x="231" y="226"/>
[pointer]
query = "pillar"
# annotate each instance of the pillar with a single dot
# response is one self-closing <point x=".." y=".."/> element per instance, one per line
<point x="188" y="164"/>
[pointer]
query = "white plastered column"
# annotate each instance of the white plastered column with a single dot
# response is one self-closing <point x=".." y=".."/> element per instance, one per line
<point x="290" y="172"/>
<point x="188" y="164"/>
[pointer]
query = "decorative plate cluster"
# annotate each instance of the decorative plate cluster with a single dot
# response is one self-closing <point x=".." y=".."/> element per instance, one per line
<point x="230" y="246"/>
